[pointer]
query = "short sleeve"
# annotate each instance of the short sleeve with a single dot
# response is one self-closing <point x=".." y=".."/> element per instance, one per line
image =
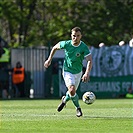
<point x="62" y="44"/>
<point x="87" y="51"/>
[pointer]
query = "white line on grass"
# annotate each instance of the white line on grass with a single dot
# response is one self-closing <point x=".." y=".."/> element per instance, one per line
<point x="62" y="115"/>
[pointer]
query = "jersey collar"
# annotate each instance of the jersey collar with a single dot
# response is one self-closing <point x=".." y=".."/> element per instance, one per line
<point x="74" y="45"/>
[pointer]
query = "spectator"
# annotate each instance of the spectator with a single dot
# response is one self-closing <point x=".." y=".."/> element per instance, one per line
<point x="18" y="78"/>
<point x="130" y="93"/>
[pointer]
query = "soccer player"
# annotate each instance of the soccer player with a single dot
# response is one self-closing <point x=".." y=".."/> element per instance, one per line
<point x="75" y="52"/>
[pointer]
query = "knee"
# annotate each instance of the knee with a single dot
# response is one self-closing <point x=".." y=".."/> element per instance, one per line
<point x="72" y="90"/>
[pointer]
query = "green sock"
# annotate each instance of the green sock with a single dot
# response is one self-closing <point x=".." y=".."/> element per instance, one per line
<point x="67" y="98"/>
<point x="75" y="100"/>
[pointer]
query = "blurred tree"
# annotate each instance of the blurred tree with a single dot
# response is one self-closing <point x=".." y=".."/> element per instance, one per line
<point x="34" y="22"/>
<point x="16" y="18"/>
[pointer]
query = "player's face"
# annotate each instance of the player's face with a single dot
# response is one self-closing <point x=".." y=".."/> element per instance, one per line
<point x="76" y="36"/>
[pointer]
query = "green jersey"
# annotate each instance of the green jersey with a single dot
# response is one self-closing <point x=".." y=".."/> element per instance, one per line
<point x="74" y="56"/>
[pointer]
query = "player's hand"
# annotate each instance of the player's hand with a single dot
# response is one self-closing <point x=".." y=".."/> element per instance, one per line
<point x="47" y="63"/>
<point x="85" y="78"/>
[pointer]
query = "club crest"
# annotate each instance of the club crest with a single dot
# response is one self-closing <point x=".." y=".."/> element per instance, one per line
<point x="77" y="54"/>
<point x="112" y="60"/>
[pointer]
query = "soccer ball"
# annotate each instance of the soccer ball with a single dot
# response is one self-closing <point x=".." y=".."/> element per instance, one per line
<point x="88" y="97"/>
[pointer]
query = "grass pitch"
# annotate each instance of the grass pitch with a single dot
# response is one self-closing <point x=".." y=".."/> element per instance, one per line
<point x="40" y="116"/>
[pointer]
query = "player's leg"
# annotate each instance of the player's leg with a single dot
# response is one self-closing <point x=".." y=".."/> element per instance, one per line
<point x="65" y="99"/>
<point x="61" y="105"/>
<point x="72" y="81"/>
<point x="69" y="80"/>
<point x="75" y="97"/>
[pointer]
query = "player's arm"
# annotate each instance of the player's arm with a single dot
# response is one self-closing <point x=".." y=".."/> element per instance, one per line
<point x="48" y="61"/>
<point x="85" y="77"/>
<point x="89" y="64"/>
